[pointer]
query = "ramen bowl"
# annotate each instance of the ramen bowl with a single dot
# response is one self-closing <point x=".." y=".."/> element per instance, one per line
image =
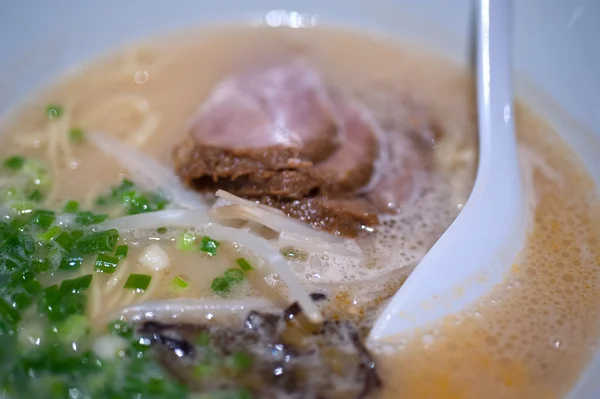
<point x="557" y="59"/>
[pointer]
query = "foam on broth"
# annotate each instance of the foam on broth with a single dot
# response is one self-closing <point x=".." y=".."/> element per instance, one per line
<point x="529" y="338"/>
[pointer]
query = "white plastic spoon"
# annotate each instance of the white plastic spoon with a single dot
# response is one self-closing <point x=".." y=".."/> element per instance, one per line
<point x="478" y="249"/>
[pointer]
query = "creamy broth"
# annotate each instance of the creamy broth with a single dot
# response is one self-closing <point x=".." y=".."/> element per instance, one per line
<point x="528" y="338"/>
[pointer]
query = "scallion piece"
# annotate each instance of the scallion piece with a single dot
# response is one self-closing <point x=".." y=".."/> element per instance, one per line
<point x="23" y="207"/>
<point x="220" y="285"/>
<point x="89" y="218"/>
<point x="106" y="263"/>
<point x="73" y="329"/>
<point x="77" y="284"/>
<point x="76" y="135"/>
<point x="40" y="265"/>
<point x="239" y="362"/>
<point x="59" y="305"/>
<point x="71" y="207"/>
<point x="20" y="301"/>
<point x="9" y="317"/>
<point x="99" y="241"/>
<point x="244" y="264"/>
<point x="70" y="263"/>
<point x="14" y="162"/>
<point x="179" y="282"/>
<point x="50" y="234"/>
<point x="209" y="245"/>
<point x="121" y="329"/>
<point x="186" y="241"/>
<point x="138" y="282"/>
<point x="65" y="240"/>
<point x="27" y="243"/>
<point x="203" y="339"/>
<point x="203" y="371"/>
<point x="77" y="234"/>
<point x="121" y="251"/>
<point x="162" y="230"/>
<point x="36" y="196"/>
<point x="54" y="111"/>
<point x="234" y="275"/>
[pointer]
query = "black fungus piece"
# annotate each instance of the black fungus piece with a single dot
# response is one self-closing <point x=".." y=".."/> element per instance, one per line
<point x="288" y="360"/>
<point x="262" y="323"/>
<point x="163" y="334"/>
<point x="294" y="309"/>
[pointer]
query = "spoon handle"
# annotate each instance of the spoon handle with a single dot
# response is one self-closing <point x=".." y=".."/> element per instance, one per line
<point x="497" y="142"/>
<point x="477" y="250"/>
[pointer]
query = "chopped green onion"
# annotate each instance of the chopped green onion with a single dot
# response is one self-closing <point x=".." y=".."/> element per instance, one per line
<point x="40" y="265"/>
<point x="120" y="328"/>
<point x="14" y="163"/>
<point x="186" y="241"/>
<point x="37" y="174"/>
<point x="244" y="264"/>
<point x="76" y="135"/>
<point x="121" y="251"/>
<point x="65" y="240"/>
<point x="138" y="282"/>
<point x="9" y="194"/>
<point x="54" y="111"/>
<point x="203" y="339"/>
<point x="77" y="234"/>
<point x="205" y="371"/>
<point x="27" y="243"/>
<point x="98" y="241"/>
<point x="228" y="393"/>
<point x="105" y="263"/>
<point x="36" y="196"/>
<point x="9" y="317"/>
<point x="71" y="263"/>
<point x="71" y="207"/>
<point x="142" y="344"/>
<point x="22" y="275"/>
<point x="59" y="305"/>
<point x="209" y="245"/>
<point x="179" y="282"/>
<point x="22" y="207"/>
<point x="50" y="234"/>
<point x="239" y="362"/>
<point x="162" y="230"/>
<point x="220" y="285"/>
<point x="8" y="263"/>
<point x="20" y="301"/>
<point x="89" y="218"/>
<point x="73" y="328"/>
<point x="133" y="200"/>
<point x="234" y="275"/>
<point x="101" y="200"/>
<point x="76" y="285"/>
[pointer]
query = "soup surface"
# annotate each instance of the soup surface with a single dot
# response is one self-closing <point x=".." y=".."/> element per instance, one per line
<point x="97" y="149"/>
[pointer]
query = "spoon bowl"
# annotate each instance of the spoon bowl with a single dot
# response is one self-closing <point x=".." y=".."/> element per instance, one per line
<point x="478" y="249"/>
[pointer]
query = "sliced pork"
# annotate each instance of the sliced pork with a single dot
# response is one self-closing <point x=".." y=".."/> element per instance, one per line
<point x="279" y="135"/>
<point x="256" y="125"/>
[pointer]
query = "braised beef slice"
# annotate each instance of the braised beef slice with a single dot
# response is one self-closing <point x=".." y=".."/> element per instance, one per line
<point x="269" y="356"/>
